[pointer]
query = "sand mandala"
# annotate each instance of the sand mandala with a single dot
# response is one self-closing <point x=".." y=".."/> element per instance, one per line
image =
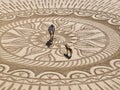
<point x="26" y="42"/>
<point x="89" y="27"/>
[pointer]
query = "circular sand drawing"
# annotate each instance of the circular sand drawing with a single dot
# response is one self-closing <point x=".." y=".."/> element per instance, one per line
<point x="27" y="42"/>
<point x="90" y="27"/>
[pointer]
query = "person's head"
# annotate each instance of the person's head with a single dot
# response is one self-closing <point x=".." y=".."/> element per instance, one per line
<point x="52" y="25"/>
<point x="66" y="45"/>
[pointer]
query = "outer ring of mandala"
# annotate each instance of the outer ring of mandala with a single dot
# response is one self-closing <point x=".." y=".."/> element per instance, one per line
<point x="111" y="49"/>
<point x="72" y="78"/>
<point x="109" y="79"/>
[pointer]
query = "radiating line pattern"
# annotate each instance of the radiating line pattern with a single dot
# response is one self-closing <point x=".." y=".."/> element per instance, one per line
<point x="90" y="27"/>
<point x="108" y="6"/>
<point x="26" y="42"/>
<point x="25" y="8"/>
<point x="100" y="78"/>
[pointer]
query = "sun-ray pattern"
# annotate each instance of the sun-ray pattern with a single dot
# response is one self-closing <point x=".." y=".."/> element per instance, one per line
<point x="90" y="27"/>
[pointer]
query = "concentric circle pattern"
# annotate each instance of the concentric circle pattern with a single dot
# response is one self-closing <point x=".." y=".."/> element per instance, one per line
<point x="28" y="42"/>
<point x="89" y="27"/>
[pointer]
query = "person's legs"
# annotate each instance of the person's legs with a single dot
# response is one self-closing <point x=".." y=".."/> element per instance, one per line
<point x="70" y="54"/>
<point x="50" y="34"/>
<point x="68" y="51"/>
<point x="51" y="39"/>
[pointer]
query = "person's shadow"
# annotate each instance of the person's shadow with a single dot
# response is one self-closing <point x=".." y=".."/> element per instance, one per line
<point x="66" y="55"/>
<point x="49" y="43"/>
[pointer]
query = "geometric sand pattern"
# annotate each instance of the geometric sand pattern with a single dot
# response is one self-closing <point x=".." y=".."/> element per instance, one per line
<point x="91" y="29"/>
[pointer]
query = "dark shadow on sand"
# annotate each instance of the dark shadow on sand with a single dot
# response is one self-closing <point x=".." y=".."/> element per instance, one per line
<point x="68" y="57"/>
<point x="48" y="43"/>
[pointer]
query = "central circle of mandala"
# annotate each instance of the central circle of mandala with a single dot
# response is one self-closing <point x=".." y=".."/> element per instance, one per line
<point x="26" y="43"/>
<point x="39" y="40"/>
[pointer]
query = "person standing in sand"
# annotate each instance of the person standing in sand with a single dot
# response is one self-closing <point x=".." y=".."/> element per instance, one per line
<point x="68" y="51"/>
<point x="51" y="31"/>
